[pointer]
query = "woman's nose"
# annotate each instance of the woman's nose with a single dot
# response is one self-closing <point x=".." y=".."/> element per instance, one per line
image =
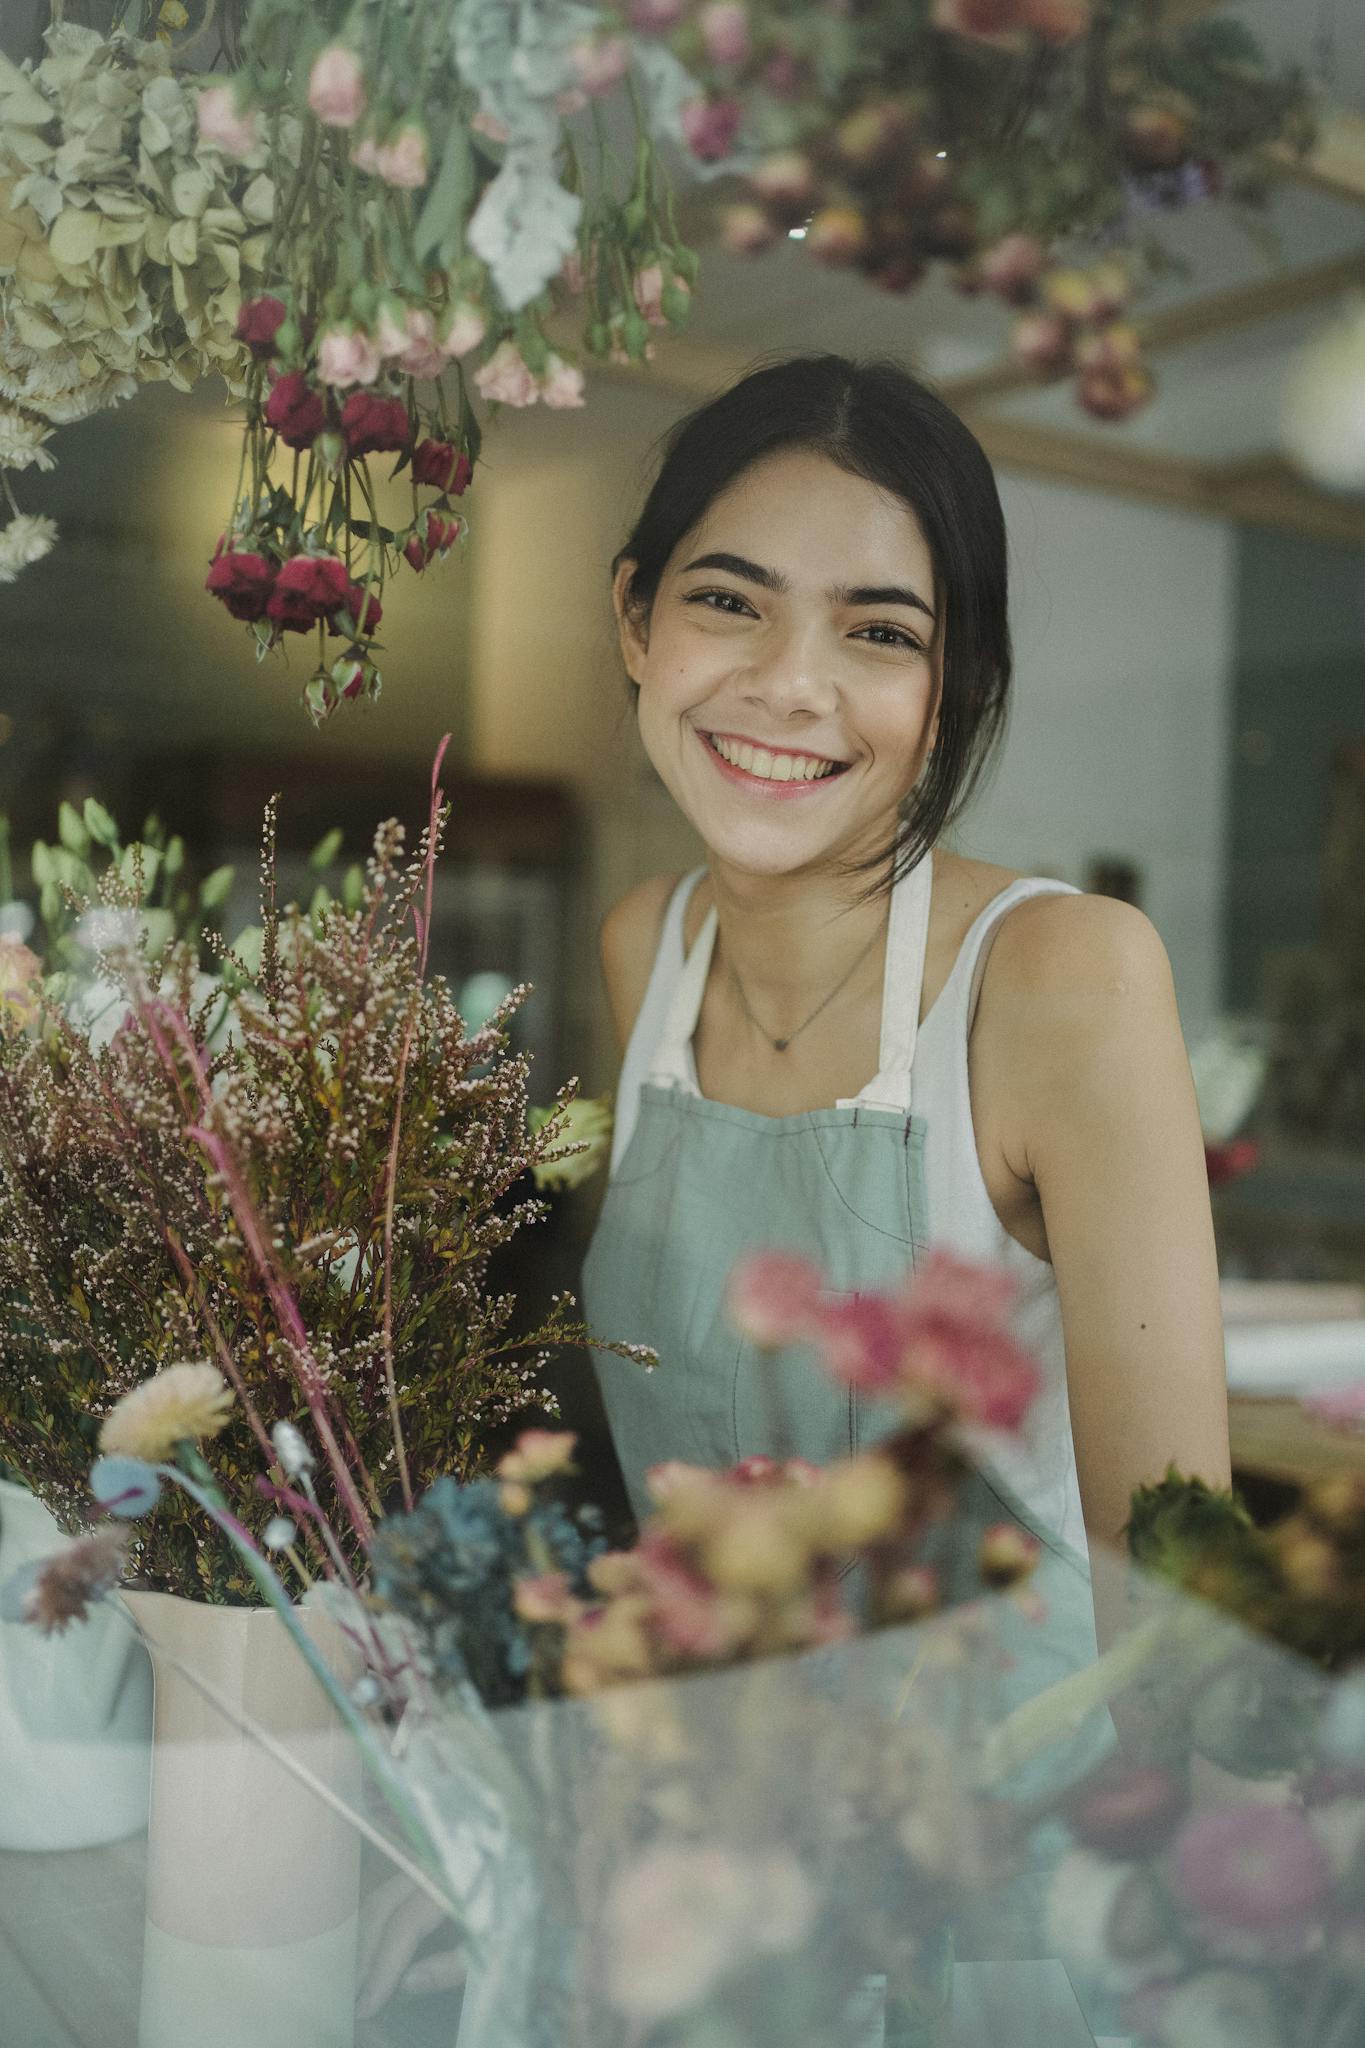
<point x="792" y="671"/>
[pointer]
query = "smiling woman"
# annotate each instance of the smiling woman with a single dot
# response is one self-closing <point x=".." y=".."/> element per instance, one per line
<point x="843" y="1040"/>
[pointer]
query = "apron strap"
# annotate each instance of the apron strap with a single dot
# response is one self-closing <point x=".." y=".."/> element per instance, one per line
<point x="907" y="938"/>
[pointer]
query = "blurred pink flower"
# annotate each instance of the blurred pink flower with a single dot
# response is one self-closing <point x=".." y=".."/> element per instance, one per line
<point x="545" y="1599"/>
<point x="773" y="1297"/>
<point x="674" y="1922"/>
<point x="347" y="356"/>
<point x="724" y="29"/>
<point x="710" y="126"/>
<point x="690" y="1616"/>
<point x="465" y="329"/>
<point x="403" y="160"/>
<point x="490" y="127"/>
<point x="336" y="86"/>
<point x="600" y="66"/>
<point x="505" y="378"/>
<point x="648" y="288"/>
<point x="422" y="355"/>
<point x="958" y="1343"/>
<point x="365" y="155"/>
<point x="863" y="1341"/>
<point x="562" y="385"/>
<point x="1255" y="1868"/>
<point x="656" y="17"/>
<point x="224" y="124"/>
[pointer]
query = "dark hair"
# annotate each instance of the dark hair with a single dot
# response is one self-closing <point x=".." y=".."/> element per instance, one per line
<point x="876" y="421"/>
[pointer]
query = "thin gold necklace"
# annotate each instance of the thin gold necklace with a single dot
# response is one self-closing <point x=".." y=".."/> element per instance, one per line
<point x="781" y="1044"/>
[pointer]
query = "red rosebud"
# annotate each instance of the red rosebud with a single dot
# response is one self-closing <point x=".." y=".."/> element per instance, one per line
<point x="374" y="610"/>
<point x="1230" y="1161"/>
<point x="308" y="588"/>
<point x="442" y="534"/>
<point x="415" y="553"/>
<point x="259" y="321"/>
<point x="375" y="426"/>
<point x="295" y="410"/>
<point x="443" y="465"/>
<point x="243" y="582"/>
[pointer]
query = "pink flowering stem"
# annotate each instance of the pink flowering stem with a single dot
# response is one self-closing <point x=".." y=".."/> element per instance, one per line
<point x="282" y="1301"/>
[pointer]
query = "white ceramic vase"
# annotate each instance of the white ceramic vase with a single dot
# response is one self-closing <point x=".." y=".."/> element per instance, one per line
<point x="75" y="1711"/>
<point x="252" y="1880"/>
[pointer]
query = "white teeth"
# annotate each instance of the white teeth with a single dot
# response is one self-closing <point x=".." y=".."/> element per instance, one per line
<point x="771" y="767"/>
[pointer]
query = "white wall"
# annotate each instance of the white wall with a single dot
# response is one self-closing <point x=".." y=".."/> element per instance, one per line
<point x="1123" y="618"/>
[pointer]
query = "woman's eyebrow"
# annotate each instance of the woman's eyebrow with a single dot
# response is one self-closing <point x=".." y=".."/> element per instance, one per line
<point x="738" y="565"/>
<point x="839" y="594"/>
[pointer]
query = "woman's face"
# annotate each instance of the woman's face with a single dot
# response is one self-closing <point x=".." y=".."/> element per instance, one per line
<point x="789" y="668"/>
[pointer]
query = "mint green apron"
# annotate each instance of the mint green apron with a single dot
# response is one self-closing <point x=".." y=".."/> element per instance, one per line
<point x="701" y="1183"/>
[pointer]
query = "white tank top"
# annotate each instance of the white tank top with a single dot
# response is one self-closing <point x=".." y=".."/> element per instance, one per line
<point x="1041" y="1463"/>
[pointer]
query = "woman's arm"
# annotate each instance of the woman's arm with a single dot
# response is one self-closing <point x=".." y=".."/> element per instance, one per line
<point x="1103" y="1122"/>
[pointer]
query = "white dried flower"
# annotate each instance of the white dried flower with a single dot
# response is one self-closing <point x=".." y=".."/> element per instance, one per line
<point x="191" y="1401"/>
<point x="21" y="441"/>
<point x="278" y="1533"/>
<point x="291" y="1449"/>
<point x="26" y="539"/>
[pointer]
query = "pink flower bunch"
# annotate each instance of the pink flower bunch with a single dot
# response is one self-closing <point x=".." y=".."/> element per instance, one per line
<point x="507" y="379"/>
<point x="402" y="160"/>
<point x="940" y="1343"/>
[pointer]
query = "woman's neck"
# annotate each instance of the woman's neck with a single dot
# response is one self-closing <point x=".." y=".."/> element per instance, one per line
<point x="788" y="938"/>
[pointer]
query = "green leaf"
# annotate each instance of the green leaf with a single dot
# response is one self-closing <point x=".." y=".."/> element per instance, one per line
<point x="151" y="864"/>
<point x="216" y="888"/>
<point x="362" y="529"/>
<point x="100" y="825"/>
<point x="353" y="888"/>
<point x="439" y="233"/>
<point x="71" y="831"/>
<point x="326" y="850"/>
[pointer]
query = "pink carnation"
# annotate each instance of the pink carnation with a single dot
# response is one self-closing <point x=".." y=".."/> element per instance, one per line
<point x="336" y="86"/>
<point x="505" y="379"/>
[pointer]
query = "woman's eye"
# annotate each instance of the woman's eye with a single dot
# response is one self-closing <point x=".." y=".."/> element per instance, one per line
<point x="892" y="636"/>
<point x="721" y="601"/>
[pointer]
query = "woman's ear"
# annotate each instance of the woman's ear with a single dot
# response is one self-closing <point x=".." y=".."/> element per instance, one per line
<point x="631" y="629"/>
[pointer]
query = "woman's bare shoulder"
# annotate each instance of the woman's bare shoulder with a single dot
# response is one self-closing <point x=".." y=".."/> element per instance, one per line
<point x="628" y="939"/>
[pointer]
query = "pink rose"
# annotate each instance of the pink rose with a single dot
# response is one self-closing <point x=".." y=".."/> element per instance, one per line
<point x="307" y="588"/>
<point x="295" y="411"/>
<point x="422" y="355"/>
<point x="375" y="426"/>
<point x="465" y="329"/>
<point x="773" y="1298"/>
<point x="725" y="31"/>
<point x="504" y="378"/>
<point x="600" y="66"/>
<point x="710" y="127"/>
<point x="562" y="385"/>
<point x="403" y="161"/>
<point x="336" y="86"/>
<point x="862" y="1341"/>
<point x="365" y="155"/>
<point x="243" y="582"/>
<point x="391" y="329"/>
<point x="224" y="124"/>
<point x="347" y="356"/>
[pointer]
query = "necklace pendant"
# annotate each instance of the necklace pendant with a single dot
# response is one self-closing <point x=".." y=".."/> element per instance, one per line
<point x="781" y="1044"/>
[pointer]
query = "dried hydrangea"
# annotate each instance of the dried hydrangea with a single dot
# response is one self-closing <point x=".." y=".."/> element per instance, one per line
<point x="123" y="241"/>
<point x="26" y="539"/>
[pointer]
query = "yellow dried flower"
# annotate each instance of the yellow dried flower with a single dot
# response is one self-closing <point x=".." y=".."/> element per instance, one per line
<point x="191" y="1401"/>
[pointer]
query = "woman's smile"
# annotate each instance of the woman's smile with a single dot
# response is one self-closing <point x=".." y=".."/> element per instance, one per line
<point x="768" y="771"/>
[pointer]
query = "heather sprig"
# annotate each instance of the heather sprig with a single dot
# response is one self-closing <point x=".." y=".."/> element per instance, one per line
<point x="311" y="1201"/>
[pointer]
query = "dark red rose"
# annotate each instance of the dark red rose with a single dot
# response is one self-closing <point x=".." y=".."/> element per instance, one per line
<point x="375" y="426"/>
<point x="443" y="465"/>
<point x="415" y="553"/>
<point x="243" y="582"/>
<point x="295" y="410"/>
<point x="308" y="588"/>
<point x="259" y="321"/>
